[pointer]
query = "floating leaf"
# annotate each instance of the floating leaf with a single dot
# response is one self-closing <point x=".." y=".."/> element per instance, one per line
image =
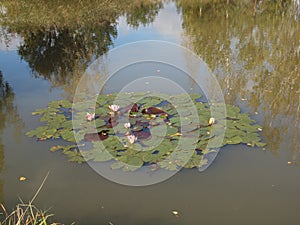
<point x="22" y="178"/>
<point x="235" y="140"/>
<point x="168" y="165"/>
<point x="117" y="165"/>
<point x="68" y="136"/>
<point x="175" y="213"/>
<point x="97" y="155"/>
<point x="195" y="96"/>
<point x="135" y="161"/>
<point x="65" y="104"/>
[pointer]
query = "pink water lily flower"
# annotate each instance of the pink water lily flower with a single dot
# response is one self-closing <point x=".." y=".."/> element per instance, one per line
<point x="131" y="138"/>
<point x="127" y="125"/>
<point x="89" y="116"/>
<point x="114" y="108"/>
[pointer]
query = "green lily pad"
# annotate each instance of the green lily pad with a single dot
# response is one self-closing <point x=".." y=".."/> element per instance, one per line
<point x="168" y="165"/>
<point x="68" y="136"/>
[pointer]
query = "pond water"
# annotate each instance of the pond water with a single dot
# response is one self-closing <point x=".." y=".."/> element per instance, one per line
<point x="256" y="59"/>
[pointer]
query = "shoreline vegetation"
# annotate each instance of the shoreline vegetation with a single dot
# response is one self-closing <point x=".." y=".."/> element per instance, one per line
<point x="25" y="214"/>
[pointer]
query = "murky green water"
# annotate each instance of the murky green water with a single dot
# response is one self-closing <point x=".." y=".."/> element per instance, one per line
<point x="256" y="59"/>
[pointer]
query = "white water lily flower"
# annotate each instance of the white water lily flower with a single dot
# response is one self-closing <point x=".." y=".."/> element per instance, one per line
<point x="114" y="108"/>
<point x="131" y="138"/>
<point x="89" y="116"/>
<point x="212" y="121"/>
<point x="127" y="125"/>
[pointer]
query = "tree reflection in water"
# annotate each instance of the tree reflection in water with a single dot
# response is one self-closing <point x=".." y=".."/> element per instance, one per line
<point x="253" y="49"/>
<point x="62" y="38"/>
<point x="256" y="59"/>
<point x="57" y="53"/>
<point x="8" y="117"/>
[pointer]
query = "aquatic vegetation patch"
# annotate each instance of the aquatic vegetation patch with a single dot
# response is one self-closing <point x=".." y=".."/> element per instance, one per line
<point x="153" y="131"/>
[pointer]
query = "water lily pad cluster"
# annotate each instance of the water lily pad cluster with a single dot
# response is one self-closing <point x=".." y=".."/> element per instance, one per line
<point x="147" y="132"/>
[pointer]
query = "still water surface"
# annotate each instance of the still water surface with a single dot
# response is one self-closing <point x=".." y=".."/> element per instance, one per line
<point x="256" y="61"/>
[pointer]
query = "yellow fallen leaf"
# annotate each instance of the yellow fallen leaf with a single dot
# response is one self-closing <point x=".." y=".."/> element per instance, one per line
<point x="22" y="178"/>
<point x="42" y="139"/>
<point x="175" y="213"/>
<point x="289" y="162"/>
<point x="177" y="134"/>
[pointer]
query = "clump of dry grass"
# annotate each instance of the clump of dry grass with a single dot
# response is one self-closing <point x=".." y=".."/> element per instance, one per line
<point x="26" y="213"/>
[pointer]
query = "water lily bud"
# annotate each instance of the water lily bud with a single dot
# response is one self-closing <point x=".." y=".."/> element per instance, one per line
<point x="212" y="121"/>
